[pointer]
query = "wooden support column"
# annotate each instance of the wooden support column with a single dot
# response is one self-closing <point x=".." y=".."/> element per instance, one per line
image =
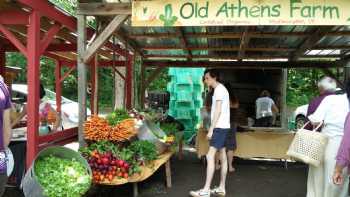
<point x="142" y="86"/>
<point x="94" y="85"/>
<point x="347" y="72"/>
<point x="128" y="82"/>
<point x="283" y="110"/>
<point x="2" y="61"/>
<point x="58" y="87"/>
<point x="81" y="77"/>
<point x="33" y="74"/>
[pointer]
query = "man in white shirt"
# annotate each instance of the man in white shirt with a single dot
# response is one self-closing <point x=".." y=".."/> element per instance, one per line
<point x="219" y="127"/>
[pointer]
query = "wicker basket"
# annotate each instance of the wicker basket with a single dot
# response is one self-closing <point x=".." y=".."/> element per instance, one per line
<point x="308" y="146"/>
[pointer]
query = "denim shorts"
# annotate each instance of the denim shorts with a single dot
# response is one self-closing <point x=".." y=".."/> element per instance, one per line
<point x="218" y="139"/>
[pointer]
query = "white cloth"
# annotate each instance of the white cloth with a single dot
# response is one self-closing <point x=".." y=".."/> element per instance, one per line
<point x="332" y="111"/>
<point x="319" y="181"/>
<point x="264" y="107"/>
<point x="221" y="94"/>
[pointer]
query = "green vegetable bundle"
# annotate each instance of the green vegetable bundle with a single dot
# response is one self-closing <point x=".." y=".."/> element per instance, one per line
<point x="144" y="151"/>
<point x="62" y="177"/>
<point x="117" y="116"/>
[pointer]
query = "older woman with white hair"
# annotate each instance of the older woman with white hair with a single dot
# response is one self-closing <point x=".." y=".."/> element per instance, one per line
<point x="331" y="110"/>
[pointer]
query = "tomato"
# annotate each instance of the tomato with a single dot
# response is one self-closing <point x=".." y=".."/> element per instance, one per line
<point x="125" y="175"/>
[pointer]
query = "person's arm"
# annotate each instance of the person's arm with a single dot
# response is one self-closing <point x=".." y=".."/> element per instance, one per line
<point x="19" y="117"/>
<point x="343" y="155"/>
<point x="7" y="127"/>
<point x="275" y="109"/>
<point x="319" y="115"/>
<point x="216" y="116"/>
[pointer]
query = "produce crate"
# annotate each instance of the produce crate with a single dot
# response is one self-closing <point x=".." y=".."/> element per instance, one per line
<point x="184" y="96"/>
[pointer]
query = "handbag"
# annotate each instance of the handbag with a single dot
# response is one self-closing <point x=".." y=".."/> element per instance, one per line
<point x="3" y="162"/>
<point x="308" y="146"/>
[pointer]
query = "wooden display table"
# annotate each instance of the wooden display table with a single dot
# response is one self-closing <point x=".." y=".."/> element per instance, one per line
<point x="146" y="172"/>
<point x="262" y="142"/>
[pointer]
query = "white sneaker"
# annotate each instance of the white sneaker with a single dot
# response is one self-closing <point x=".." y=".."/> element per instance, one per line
<point x="218" y="192"/>
<point x="200" y="193"/>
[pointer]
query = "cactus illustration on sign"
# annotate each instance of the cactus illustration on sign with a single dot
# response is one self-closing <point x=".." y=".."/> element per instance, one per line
<point x="167" y="17"/>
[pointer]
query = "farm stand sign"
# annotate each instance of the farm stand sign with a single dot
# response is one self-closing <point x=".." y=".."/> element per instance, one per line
<point x="240" y="12"/>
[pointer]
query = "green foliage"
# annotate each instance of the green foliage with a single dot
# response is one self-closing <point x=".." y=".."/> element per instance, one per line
<point x="302" y="85"/>
<point x="69" y="6"/>
<point x="160" y="82"/>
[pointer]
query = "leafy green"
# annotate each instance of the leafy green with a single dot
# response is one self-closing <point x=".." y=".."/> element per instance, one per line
<point x="117" y="116"/>
<point x="62" y="177"/>
<point x="169" y="128"/>
<point x="144" y="150"/>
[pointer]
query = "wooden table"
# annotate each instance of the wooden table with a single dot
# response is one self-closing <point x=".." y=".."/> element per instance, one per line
<point x="146" y="172"/>
<point x="262" y="142"/>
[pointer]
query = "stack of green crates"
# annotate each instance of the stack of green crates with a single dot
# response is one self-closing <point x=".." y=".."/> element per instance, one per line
<point x="186" y="90"/>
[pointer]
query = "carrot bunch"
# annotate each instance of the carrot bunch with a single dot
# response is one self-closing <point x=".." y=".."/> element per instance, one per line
<point x="123" y="131"/>
<point x="97" y="128"/>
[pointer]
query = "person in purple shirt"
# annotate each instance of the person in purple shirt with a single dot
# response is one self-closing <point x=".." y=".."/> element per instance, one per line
<point x="343" y="156"/>
<point x="5" y="128"/>
<point x="326" y="86"/>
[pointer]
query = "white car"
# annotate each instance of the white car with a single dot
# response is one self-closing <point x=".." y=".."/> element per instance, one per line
<point x="300" y="116"/>
<point x="69" y="108"/>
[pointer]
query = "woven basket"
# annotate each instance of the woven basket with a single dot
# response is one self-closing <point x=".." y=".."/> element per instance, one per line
<point x="308" y="146"/>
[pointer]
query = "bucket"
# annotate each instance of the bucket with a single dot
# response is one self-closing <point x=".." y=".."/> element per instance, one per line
<point x="30" y="184"/>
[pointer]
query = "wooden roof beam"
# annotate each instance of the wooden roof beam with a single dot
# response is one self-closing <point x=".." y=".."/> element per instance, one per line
<point x="103" y="37"/>
<point x="244" y="43"/>
<point x="234" y="35"/>
<point x="235" y="57"/>
<point x="227" y="48"/>
<point x="181" y="36"/>
<point x="311" y="41"/>
<point x="244" y="64"/>
<point x="94" y="9"/>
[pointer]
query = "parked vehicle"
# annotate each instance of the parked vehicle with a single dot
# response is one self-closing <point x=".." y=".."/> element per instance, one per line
<point x="69" y="108"/>
<point x="299" y="116"/>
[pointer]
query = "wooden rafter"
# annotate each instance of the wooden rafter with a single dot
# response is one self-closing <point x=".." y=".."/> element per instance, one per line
<point x="181" y="36"/>
<point x="235" y="35"/>
<point x="228" y="48"/>
<point x="244" y="43"/>
<point x="235" y="57"/>
<point x="244" y="64"/>
<point x="311" y="41"/>
<point x="94" y="9"/>
<point x="103" y="37"/>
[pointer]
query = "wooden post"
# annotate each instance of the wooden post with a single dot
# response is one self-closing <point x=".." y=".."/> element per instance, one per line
<point x="58" y="85"/>
<point x="81" y="77"/>
<point x="142" y="86"/>
<point x="347" y="72"/>
<point x="135" y="190"/>
<point x="128" y="82"/>
<point x="168" y="174"/>
<point x="94" y="86"/>
<point x="33" y="61"/>
<point x="283" y="110"/>
<point x="2" y="61"/>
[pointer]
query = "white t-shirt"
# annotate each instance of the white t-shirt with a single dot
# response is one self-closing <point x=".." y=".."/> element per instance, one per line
<point x="221" y="94"/>
<point x="263" y="107"/>
<point x="332" y="111"/>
